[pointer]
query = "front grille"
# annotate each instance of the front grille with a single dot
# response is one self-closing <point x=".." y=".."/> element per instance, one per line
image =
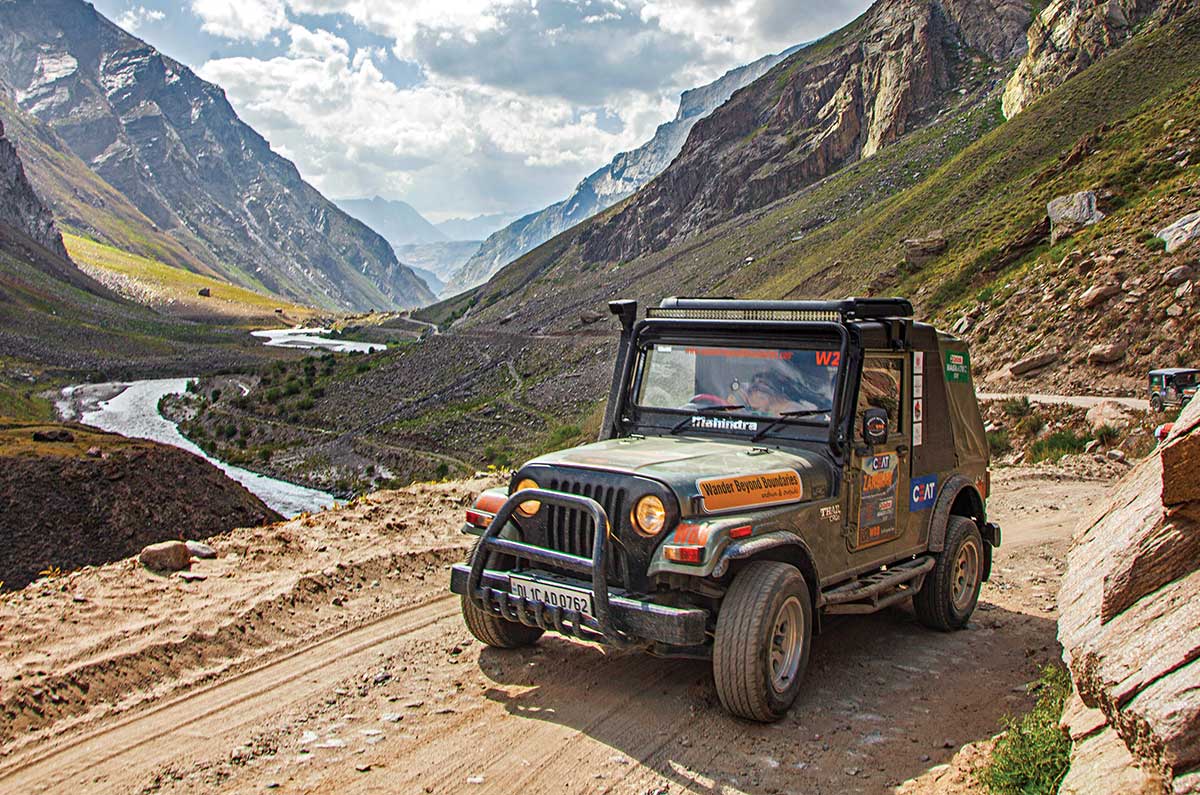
<point x="571" y="530"/>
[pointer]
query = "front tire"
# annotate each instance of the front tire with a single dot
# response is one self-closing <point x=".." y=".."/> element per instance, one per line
<point x="489" y="628"/>
<point x="499" y="633"/>
<point x="763" y="637"/>
<point x="951" y="590"/>
<point x="1156" y="404"/>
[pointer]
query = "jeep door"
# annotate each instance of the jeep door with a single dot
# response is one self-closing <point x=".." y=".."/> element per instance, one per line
<point x="877" y="524"/>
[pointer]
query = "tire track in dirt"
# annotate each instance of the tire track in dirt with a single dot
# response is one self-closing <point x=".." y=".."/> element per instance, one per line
<point x="207" y="719"/>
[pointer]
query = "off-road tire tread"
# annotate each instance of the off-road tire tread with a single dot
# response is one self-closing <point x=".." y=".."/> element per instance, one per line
<point x="489" y="628"/>
<point x="932" y="603"/>
<point x="497" y="632"/>
<point x="737" y="652"/>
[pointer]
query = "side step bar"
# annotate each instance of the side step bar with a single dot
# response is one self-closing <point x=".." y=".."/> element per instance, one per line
<point x="879" y="590"/>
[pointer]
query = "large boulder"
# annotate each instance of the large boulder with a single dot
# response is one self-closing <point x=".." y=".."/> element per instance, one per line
<point x="1033" y="362"/>
<point x="1182" y="232"/>
<point x="920" y="250"/>
<point x="166" y="556"/>
<point x="1097" y="294"/>
<point x="1068" y="214"/>
<point x="1130" y="615"/>
<point x="1107" y="352"/>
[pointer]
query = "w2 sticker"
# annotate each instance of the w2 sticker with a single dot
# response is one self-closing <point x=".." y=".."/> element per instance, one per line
<point x="922" y="493"/>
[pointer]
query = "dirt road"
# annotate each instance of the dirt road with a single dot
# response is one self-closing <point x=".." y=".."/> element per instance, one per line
<point x="361" y="678"/>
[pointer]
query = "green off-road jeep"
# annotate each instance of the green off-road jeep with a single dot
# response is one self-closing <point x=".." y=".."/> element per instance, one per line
<point x="762" y="463"/>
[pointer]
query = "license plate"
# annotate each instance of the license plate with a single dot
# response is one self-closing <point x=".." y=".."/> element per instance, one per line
<point x="551" y="593"/>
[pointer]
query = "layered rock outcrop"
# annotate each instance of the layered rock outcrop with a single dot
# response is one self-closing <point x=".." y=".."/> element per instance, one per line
<point x="20" y="207"/>
<point x="173" y="145"/>
<point x="625" y="174"/>
<point x="1130" y="625"/>
<point x="829" y="104"/>
<point x="1070" y="35"/>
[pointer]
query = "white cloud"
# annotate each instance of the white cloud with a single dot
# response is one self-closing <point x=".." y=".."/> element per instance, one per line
<point x="505" y="104"/>
<point x="453" y="147"/>
<point x="135" y="16"/>
<point x="241" y="20"/>
<point x="315" y="43"/>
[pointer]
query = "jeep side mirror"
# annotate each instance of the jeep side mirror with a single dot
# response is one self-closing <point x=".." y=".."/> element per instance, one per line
<point x="875" y="426"/>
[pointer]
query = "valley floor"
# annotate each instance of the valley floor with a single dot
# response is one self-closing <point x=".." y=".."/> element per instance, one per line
<point x="324" y="655"/>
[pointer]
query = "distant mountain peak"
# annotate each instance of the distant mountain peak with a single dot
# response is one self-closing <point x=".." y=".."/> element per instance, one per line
<point x="398" y="221"/>
<point x="621" y="177"/>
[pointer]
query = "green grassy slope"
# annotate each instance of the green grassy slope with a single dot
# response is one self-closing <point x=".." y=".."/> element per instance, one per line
<point x="51" y="325"/>
<point x="174" y="291"/>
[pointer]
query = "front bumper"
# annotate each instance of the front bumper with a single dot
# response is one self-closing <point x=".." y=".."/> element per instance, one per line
<point x="619" y="620"/>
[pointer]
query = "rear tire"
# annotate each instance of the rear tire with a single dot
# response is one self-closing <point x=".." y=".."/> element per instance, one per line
<point x="489" y="628"/>
<point x="951" y="590"/>
<point x="763" y="638"/>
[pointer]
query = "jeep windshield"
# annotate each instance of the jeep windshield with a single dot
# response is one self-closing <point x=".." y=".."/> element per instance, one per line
<point x="737" y="389"/>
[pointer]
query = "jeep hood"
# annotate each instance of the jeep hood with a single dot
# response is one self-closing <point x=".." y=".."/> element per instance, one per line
<point x="680" y="462"/>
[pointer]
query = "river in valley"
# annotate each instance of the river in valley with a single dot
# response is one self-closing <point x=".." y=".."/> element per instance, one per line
<point x="310" y="338"/>
<point x="132" y="410"/>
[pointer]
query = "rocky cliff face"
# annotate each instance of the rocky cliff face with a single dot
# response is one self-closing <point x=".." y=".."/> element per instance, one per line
<point x="1130" y="613"/>
<point x="624" y="175"/>
<point x="831" y="103"/>
<point x="1070" y="35"/>
<point x="173" y="145"/>
<point x="20" y="207"/>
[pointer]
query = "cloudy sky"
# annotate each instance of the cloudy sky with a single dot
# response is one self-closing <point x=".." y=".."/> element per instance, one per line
<point x="463" y="107"/>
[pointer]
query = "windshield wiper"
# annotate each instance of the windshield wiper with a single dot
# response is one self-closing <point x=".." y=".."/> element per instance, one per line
<point x="784" y="415"/>
<point x="704" y="410"/>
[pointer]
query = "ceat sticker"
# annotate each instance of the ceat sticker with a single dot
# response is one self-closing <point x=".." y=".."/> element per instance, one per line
<point x="922" y="493"/>
<point x="742" y="491"/>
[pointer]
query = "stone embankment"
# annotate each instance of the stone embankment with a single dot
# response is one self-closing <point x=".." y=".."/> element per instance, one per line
<point x="1130" y="628"/>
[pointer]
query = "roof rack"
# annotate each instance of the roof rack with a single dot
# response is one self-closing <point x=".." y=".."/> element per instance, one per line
<point x="843" y="311"/>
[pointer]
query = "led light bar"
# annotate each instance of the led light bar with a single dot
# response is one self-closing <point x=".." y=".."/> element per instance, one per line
<point x="793" y="315"/>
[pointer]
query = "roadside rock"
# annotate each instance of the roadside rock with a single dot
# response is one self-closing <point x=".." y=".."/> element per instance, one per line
<point x="1070" y="213"/>
<point x="1033" y="362"/>
<point x="1181" y="232"/>
<point x="204" y="292"/>
<point x="198" y="549"/>
<point x="1130" y="615"/>
<point x="1107" y="353"/>
<point x="166" y="556"/>
<point x="1108" y="412"/>
<point x="1097" y="294"/>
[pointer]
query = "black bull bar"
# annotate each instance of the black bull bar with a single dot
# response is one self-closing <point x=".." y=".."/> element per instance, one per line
<point x="619" y="620"/>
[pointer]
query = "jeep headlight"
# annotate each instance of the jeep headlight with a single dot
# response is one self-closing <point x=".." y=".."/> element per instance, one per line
<point x="649" y="515"/>
<point x="529" y="507"/>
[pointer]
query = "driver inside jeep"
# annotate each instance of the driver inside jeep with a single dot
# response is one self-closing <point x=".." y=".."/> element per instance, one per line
<point x="770" y="393"/>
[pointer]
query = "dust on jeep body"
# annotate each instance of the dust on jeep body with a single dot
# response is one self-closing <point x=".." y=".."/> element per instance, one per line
<point x="761" y="463"/>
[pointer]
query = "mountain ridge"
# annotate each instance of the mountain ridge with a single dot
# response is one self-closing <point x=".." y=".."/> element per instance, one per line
<point x="609" y="184"/>
<point x="173" y="145"/>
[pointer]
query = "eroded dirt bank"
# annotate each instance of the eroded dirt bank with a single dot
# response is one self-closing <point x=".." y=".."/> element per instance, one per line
<point x="323" y="655"/>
